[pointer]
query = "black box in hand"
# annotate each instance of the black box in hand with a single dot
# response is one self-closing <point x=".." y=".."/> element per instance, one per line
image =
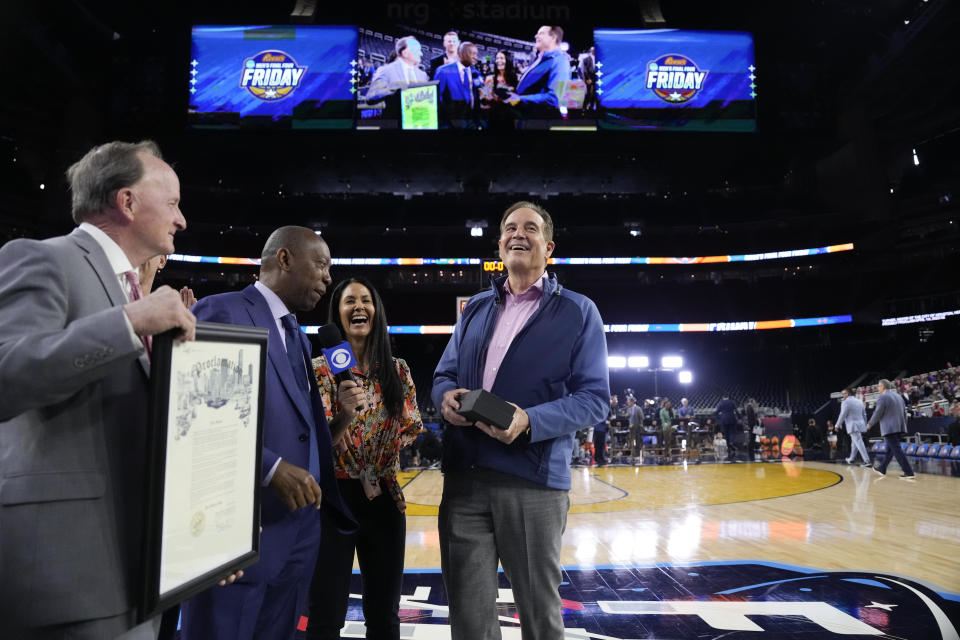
<point x="483" y="406"/>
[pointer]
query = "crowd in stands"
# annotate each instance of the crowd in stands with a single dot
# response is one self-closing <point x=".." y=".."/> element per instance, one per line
<point x="933" y="395"/>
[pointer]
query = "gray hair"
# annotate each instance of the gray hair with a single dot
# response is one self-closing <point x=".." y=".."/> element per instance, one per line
<point x="886" y="384"/>
<point x="402" y="43"/>
<point x="96" y="177"/>
<point x="536" y="208"/>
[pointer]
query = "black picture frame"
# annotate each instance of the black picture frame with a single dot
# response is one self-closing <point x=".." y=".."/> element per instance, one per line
<point x="207" y="374"/>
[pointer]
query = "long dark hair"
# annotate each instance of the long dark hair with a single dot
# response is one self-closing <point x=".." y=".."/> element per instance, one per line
<point x="509" y="71"/>
<point x="379" y="354"/>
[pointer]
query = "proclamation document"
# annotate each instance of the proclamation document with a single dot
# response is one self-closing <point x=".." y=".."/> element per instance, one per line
<point x="205" y="498"/>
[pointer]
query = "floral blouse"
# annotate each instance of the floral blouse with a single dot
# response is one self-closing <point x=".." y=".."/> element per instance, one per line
<point x="373" y="439"/>
<point x="492" y="83"/>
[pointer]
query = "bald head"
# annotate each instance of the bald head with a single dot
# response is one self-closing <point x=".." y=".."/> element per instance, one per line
<point x="295" y="264"/>
<point x="292" y="238"/>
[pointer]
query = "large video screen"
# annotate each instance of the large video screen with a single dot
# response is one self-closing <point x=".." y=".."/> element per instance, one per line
<point x="673" y="79"/>
<point x="272" y="76"/>
<point x="524" y="77"/>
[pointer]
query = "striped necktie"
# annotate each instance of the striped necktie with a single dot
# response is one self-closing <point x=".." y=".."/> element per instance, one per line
<point x="136" y="292"/>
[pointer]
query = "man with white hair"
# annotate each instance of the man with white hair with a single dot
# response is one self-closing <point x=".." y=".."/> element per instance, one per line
<point x="403" y="71"/>
<point x="76" y="329"/>
<point x="891" y="413"/>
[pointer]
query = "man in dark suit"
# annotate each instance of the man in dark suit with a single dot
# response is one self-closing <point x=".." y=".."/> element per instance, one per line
<point x="457" y="87"/>
<point x="891" y="413"/>
<point x="74" y="394"/>
<point x="297" y="473"/>
<point x="727" y="417"/>
<point x="588" y="71"/>
<point x="451" y="52"/>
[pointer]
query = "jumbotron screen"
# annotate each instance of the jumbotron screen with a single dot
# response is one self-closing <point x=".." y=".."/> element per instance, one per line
<point x="522" y="77"/>
<point x="272" y="76"/>
<point x="674" y="79"/>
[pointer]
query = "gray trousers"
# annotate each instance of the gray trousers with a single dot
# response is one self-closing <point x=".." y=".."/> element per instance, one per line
<point x="856" y="440"/>
<point x="486" y="516"/>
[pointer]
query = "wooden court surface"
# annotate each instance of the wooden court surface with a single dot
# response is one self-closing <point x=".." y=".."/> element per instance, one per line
<point x="827" y="516"/>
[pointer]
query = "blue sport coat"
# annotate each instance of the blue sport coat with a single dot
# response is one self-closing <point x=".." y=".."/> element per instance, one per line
<point x="451" y="87"/>
<point x="543" y="83"/>
<point x="890" y="412"/>
<point x="555" y="369"/>
<point x="287" y="415"/>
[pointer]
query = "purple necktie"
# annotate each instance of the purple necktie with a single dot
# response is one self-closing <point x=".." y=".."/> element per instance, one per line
<point x="135" y="294"/>
<point x="468" y="83"/>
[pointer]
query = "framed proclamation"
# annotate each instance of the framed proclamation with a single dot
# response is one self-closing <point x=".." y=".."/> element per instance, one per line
<point x="206" y="432"/>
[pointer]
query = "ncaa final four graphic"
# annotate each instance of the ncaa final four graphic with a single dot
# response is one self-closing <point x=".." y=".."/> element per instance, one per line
<point x="271" y="75"/>
<point x="675" y="78"/>
<point x="730" y="600"/>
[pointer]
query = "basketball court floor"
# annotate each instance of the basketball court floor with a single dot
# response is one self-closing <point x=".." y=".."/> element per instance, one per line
<point x="787" y="549"/>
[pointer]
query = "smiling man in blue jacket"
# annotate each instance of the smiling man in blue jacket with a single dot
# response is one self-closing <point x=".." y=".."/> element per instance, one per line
<point x="543" y="82"/>
<point x="506" y="492"/>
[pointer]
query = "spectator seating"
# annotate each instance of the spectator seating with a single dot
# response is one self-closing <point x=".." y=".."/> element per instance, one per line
<point x="923" y="392"/>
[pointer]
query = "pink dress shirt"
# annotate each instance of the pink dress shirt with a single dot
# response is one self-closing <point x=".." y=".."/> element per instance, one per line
<point x="514" y="315"/>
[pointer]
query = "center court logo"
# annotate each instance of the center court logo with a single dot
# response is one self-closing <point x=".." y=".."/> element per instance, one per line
<point x="271" y="75"/>
<point x="675" y="78"/>
<point x="723" y="599"/>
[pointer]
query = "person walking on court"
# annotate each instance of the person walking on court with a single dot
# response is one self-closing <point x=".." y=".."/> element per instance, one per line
<point x="891" y="413"/>
<point x="853" y="415"/>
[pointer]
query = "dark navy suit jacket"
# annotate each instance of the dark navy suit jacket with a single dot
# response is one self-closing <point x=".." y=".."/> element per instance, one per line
<point x="287" y="416"/>
<point x="451" y="87"/>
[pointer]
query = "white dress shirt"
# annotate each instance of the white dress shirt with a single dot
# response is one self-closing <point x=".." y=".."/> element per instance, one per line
<point x="119" y="263"/>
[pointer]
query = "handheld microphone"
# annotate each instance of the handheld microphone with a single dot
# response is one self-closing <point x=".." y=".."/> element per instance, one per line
<point x="338" y="353"/>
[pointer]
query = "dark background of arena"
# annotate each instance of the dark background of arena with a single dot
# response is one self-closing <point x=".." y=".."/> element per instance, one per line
<point x="847" y="90"/>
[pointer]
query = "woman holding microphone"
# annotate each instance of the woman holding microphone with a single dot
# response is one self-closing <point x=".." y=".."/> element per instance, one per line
<point x="366" y="464"/>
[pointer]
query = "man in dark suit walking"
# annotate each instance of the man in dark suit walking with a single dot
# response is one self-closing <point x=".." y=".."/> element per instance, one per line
<point x="727" y="417"/>
<point x="891" y="413"/>
<point x="75" y="329"/>
<point x="297" y="474"/>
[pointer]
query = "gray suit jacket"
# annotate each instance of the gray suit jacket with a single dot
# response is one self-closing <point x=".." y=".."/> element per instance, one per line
<point x="73" y="416"/>
<point x="391" y="77"/>
<point x="890" y="412"/>
<point x="853" y="415"/>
